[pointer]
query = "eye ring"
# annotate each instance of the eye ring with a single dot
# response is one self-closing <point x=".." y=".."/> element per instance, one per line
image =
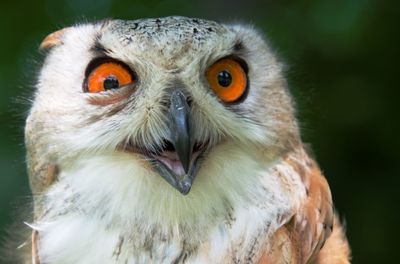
<point x="107" y="74"/>
<point x="228" y="79"/>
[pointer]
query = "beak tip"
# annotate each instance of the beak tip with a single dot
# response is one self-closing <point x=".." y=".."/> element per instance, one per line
<point x="185" y="188"/>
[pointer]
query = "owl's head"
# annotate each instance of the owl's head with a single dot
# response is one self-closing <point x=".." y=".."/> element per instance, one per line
<point x="180" y="97"/>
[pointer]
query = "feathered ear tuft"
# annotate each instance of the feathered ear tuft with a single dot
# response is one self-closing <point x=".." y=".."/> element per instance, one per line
<point x="53" y="39"/>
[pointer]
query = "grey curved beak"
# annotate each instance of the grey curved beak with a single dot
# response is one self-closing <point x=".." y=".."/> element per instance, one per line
<point x="180" y="129"/>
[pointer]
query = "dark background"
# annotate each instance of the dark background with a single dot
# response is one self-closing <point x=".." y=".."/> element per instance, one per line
<point x="343" y="67"/>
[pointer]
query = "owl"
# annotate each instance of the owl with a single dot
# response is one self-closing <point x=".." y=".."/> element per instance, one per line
<point x="171" y="140"/>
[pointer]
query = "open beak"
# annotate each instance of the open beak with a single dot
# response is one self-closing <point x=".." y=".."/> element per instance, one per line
<point x="178" y="162"/>
<point x="178" y="159"/>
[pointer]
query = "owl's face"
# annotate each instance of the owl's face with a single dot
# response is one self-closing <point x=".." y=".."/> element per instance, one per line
<point x="170" y="94"/>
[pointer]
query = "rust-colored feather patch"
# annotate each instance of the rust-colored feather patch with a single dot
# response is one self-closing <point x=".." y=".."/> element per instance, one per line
<point x="336" y="249"/>
<point x="35" y="254"/>
<point x="53" y="39"/>
<point x="301" y="239"/>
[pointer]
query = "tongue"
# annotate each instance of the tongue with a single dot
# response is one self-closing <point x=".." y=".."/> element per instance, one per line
<point x="171" y="160"/>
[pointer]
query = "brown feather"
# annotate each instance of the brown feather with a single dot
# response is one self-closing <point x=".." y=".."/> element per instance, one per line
<point x="336" y="249"/>
<point x="35" y="256"/>
<point x="302" y="238"/>
<point x="53" y="39"/>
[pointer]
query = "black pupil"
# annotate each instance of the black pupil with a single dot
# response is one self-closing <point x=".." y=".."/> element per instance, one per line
<point x="111" y="82"/>
<point x="224" y="78"/>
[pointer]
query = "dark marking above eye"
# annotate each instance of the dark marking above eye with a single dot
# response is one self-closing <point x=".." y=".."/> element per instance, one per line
<point x="238" y="46"/>
<point x="98" y="48"/>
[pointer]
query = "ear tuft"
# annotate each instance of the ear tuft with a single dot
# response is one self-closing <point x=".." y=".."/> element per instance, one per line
<point x="53" y="39"/>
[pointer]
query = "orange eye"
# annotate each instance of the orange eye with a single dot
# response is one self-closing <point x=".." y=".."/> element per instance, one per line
<point x="228" y="79"/>
<point x="107" y="76"/>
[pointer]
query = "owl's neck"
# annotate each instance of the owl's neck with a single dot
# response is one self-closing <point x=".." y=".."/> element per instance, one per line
<point x="112" y="205"/>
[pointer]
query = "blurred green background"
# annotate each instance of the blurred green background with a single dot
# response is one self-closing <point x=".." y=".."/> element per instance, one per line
<point x="343" y="67"/>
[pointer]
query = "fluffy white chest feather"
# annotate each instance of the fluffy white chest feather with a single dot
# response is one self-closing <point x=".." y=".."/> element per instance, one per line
<point x="108" y="210"/>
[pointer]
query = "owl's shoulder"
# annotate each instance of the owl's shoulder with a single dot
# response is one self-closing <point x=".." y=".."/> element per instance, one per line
<point x="314" y="231"/>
